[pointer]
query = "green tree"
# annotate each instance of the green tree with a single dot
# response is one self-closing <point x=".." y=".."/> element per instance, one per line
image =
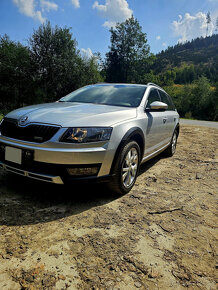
<point x="89" y="72"/>
<point x="15" y="74"/>
<point x="56" y="61"/>
<point x="129" y="57"/>
<point x="202" y="99"/>
<point x="182" y="97"/>
<point x="168" y="77"/>
<point x="151" y="77"/>
<point x="214" y="105"/>
<point x="198" y="100"/>
<point x="58" y="65"/>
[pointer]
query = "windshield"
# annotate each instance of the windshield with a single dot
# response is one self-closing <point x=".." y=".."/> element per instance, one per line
<point x="115" y="95"/>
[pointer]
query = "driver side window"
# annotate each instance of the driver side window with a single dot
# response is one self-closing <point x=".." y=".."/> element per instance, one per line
<point x="153" y="96"/>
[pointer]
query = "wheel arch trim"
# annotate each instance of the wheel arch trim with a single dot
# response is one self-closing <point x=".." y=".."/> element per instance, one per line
<point x="177" y="128"/>
<point x="135" y="131"/>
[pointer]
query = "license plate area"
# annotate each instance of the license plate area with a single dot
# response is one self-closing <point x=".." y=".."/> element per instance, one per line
<point x="13" y="155"/>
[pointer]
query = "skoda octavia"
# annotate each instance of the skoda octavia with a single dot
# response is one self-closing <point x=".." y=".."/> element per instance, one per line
<point x="101" y="131"/>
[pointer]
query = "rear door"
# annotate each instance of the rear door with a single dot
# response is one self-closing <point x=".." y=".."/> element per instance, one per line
<point x="169" y="116"/>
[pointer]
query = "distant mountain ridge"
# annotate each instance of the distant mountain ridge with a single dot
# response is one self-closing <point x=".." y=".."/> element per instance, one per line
<point x="200" y="55"/>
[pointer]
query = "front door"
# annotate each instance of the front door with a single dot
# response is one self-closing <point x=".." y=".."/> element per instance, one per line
<point x="169" y="125"/>
<point x="154" y="128"/>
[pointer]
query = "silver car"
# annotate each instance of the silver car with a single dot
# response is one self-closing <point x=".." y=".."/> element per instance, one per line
<point x="98" y="132"/>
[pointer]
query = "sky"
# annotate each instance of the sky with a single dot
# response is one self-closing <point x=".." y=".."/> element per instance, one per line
<point x="166" y="22"/>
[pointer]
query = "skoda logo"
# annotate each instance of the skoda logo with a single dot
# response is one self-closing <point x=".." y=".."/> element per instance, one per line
<point x="23" y="120"/>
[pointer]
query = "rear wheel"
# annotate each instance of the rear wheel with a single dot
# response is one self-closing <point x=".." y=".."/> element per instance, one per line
<point x="126" y="168"/>
<point x="172" y="148"/>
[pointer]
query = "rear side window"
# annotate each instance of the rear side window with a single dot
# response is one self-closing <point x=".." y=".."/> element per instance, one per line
<point x="167" y="100"/>
<point x="153" y="96"/>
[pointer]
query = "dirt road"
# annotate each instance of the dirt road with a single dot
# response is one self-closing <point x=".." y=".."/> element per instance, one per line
<point x="199" y="123"/>
<point x="162" y="235"/>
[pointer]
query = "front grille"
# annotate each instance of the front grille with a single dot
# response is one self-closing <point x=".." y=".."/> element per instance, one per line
<point x="32" y="132"/>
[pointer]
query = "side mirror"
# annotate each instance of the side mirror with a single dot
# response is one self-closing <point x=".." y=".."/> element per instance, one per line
<point x="158" y="106"/>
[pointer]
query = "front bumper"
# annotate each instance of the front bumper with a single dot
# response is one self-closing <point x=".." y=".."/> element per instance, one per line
<point x="49" y="161"/>
<point x="41" y="177"/>
<point x="52" y="177"/>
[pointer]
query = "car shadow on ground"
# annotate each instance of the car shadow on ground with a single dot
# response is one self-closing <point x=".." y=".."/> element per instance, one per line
<point x="26" y="201"/>
<point x="150" y="163"/>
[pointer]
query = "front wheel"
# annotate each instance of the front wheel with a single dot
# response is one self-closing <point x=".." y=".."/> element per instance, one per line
<point x="126" y="168"/>
<point x="172" y="147"/>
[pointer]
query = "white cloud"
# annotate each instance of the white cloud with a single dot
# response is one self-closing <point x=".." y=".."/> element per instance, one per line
<point x="75" y="3"/>
<point x="47" y="5"/>
<point x="158" y="37"/>
<point x="113" y="11"/>
<point x="38" y="16"/>
<point x="192" y="26"/>
<point x="164" y="44"/>
<point x="27" y="7"/>
<point x="87" y="52"/>
<point x="214" y="16"/>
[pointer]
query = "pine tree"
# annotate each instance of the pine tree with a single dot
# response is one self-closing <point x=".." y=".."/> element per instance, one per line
<point x="208" y="21"/>
<point x="216" y="29"/>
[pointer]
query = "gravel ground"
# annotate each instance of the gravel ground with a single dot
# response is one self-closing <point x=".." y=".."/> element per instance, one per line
<point x="161" y="235"/>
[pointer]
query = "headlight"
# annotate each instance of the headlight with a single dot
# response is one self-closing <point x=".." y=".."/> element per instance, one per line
<point x="1" y="121"/>
<point x="85" y="135"/>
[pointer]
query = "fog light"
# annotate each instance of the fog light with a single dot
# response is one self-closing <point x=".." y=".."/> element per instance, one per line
<point x="2" y="152"/>
<point x="2" y="148"/>
<point x="85" y="171"/>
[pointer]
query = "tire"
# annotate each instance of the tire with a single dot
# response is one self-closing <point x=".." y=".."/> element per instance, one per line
<point x="170" y="151"/>
<point x="126" y="168"/>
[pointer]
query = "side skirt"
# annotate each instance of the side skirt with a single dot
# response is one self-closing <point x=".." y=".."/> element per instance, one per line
<point x="146" y="158"/>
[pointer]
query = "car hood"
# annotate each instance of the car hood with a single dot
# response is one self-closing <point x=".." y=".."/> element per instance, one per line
<point x="74" y="114"/>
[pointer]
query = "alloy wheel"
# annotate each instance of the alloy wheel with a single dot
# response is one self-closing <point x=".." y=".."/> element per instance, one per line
<point x="174" y="140"/>
<point x="130" y="167"/>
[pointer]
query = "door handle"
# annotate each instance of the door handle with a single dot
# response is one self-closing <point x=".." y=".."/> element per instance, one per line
<point x="164" y="120"/>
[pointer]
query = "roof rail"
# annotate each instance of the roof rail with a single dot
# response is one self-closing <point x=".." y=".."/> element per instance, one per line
<point x="152" y="84"/>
